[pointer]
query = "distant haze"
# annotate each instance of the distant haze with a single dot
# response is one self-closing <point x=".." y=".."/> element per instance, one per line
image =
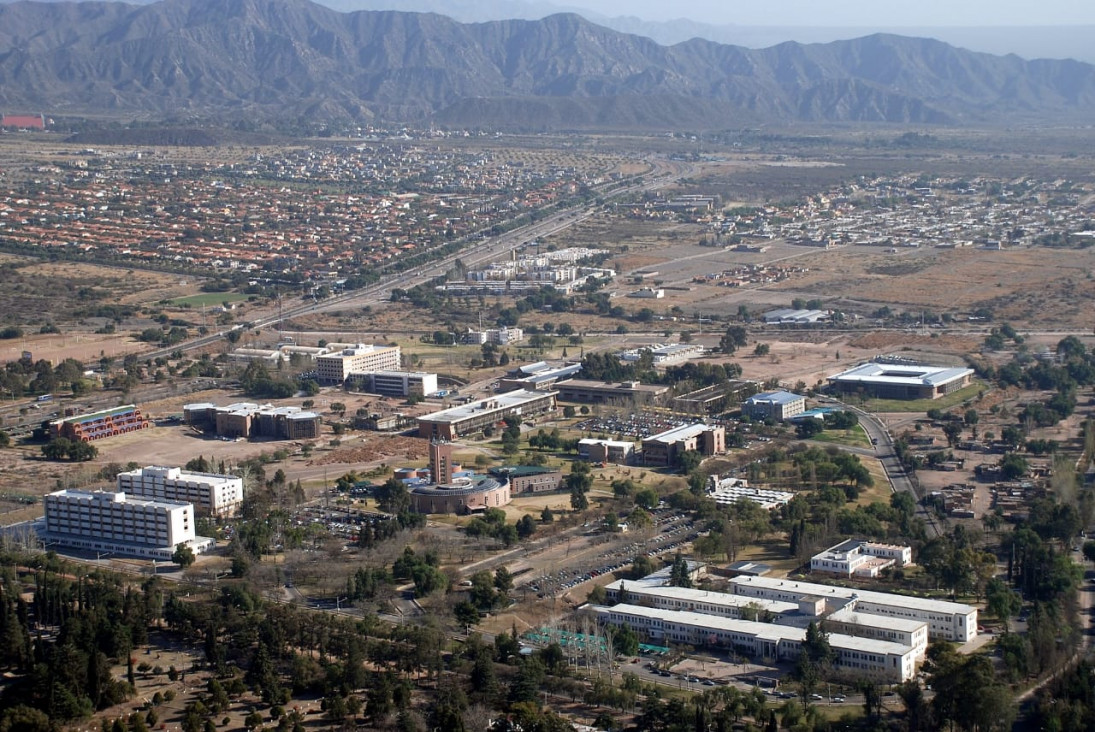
<point x="858" y="13"/>
<point x="1053" y="29"/>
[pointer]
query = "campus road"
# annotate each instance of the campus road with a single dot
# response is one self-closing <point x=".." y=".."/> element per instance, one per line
<point x="884" y="450"/>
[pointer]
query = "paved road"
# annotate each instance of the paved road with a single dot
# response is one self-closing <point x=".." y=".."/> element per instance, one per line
<point x="900" y="480"/>
<point x="664" y="173"/>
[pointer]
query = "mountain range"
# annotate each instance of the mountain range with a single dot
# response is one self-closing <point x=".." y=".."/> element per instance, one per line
<point x="275" y="58"/>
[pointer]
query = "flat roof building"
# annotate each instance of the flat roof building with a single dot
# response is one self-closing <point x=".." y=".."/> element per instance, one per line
<point x="777" y="405"/>
<point x="247" y="419"/>
<point x="714" y="399"/>
<point x="113" y="522"/>
<point x="791" y="316"/>
<point x="665" y="354"/>
<point x="497" y="336"/>
<point x="860" y="558"/>
<point x="902" y="381"/>
<point x="539" y="377"/>
<point x="524" y="479"/>
<point x="626" y="393"/>
<point x="210" y="493"/>
<point x="769" y="641"/>
<point x="665" y="449"/>
<point x="334" y="368"/>
<point x="727" y="491"/>
<point x="394" y="383"/>
<point x="451" y="424"/>
<point x="618" y="452"/>
<point x="951" y="621"/>
<point x="722" y="604"/>
<point x="907" y="632"/>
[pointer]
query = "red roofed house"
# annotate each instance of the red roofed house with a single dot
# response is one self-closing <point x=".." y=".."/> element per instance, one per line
<point x="24" y="121"/>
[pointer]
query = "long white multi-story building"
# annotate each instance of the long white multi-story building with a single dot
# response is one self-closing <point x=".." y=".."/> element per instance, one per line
<point x="951" y="621"/>
<point x="334" y="368"/>
<point x="211" y="494"/>
<point x="846" y="620"/>
<point x="706" y="602"/>
<point x="894" y="661"/>
<point x="113" y="522"/>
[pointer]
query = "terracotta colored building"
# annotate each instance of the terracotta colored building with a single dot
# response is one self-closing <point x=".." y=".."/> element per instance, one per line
<point x="24" y="121"/>
<point x="94" y="426"/>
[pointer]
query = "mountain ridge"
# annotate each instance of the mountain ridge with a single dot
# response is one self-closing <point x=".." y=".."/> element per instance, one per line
<point x="294" y="57"/>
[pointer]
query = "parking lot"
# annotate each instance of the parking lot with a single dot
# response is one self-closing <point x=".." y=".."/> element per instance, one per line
<point x="672" y="531"/>
<point x="638" y="425"/>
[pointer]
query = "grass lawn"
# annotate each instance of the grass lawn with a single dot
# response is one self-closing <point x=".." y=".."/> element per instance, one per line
<point x="209" y="299"/>
<point x="923" y="405"/>
<point x="773" y="552"/>
<point x="855" y="437"/>
<point x="880" y="491"/>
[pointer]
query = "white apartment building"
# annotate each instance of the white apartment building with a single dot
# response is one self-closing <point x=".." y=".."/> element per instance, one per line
<point x="498" y="336"/>
<point x="860" y="558"/>
<point x="211" y="494"/>
<point x="334" y="368"/>
<point x="112" y="522"/>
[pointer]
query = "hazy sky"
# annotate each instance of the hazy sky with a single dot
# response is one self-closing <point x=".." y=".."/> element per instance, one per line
<point x="880" y="13"/>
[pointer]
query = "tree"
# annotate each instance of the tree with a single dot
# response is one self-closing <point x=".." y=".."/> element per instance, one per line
<point x="466" y="613"/>
<point x="762" y="349"/>
<point x="679" y="575"/>
<point x="183" y="556"/>
<point x="735" y="337"/>
<point x="1013" y="466"/>
<point x="1089" y="551"/>
<point x="526" y="526"/>
<point x="952" y="431"/>
<point x="503" y="580"/>
<point x="578" y="500"/>
<point x="625" y="641"/>
<point x="1002" y="601"/>
<point x="814" y="659"/>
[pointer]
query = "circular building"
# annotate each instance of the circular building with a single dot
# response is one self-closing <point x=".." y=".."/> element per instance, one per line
<point x="463" y="495"/>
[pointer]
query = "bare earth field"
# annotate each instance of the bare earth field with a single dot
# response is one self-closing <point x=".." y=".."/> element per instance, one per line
<point x="1030" y="286"/>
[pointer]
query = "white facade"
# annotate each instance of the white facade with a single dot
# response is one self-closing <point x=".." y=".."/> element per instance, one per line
<point x="112" y="522"/>
<point x="860" y="558"/>
<point x="893" y="661"/>
<point x="777" y="405"/>
<point x="848" y="621"/>
<point x="333" y="368"/>
<point x="951" y="621"/>
<point x="665" y="355"/>
<point x="726" y="491"/>
<point x="721" y="604"/>
<point x="497" y="336"/>
<point x="211" y="494"/>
